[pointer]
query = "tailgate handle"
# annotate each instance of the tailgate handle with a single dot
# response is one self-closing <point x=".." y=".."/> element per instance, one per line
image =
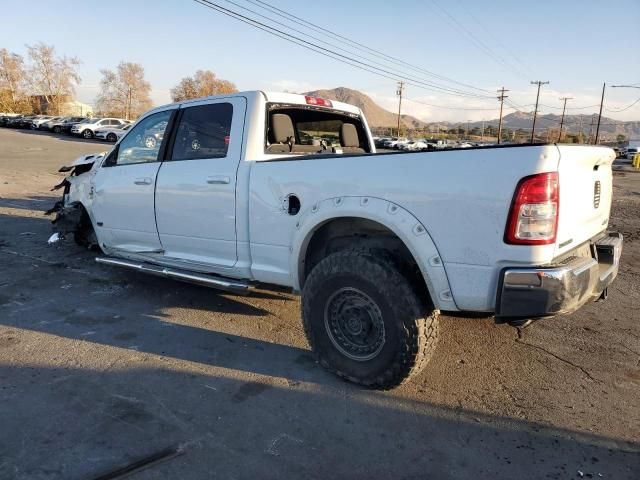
<point x="219" y="180"/>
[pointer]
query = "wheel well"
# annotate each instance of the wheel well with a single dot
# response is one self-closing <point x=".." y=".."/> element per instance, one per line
<point x="354" y="233"/>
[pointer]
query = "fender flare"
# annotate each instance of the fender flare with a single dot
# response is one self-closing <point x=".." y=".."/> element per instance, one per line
<point x="401" y="222"/>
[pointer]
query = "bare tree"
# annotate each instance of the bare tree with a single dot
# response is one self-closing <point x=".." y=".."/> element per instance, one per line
<point x="55" y="78"/>
<point x="124" y="92"/>
<point x="12" y="83"/>
<point x="202" y="84"/>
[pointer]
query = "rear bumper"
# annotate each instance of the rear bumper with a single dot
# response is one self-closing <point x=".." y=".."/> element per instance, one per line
<point x="543" y="291"/>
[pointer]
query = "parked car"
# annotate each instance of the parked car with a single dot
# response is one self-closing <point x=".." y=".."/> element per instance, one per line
<point x="65" y="125"/>
<point x="379" y="142"/>
<point x="631" y="151"/>
<point x="415" y="146"/>
<point x="23" y="122"/>
<point x="5" y="119"/>
<point x="49" y="123"/>
<point x="393" y="143"/>
<point x="112" y="134"/>
<point x="377" y="244"/>
<point x="39" y="120"/>
<point x="87" y="129"/>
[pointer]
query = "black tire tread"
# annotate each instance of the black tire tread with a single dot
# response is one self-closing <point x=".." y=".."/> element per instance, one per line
<point x="424" y="329"/>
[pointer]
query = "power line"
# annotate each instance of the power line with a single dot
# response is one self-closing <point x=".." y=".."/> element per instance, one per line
<point x="358" y="46"/>
<point x="474" y="39"/>
<point x="497" y="40"/>
<point x="622" y="109"/>
<point x="333" y="45"/>
<point x="332" y="54"/>
<point x="450" y="108"/>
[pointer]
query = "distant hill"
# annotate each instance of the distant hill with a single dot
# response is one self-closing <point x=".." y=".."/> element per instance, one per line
<point x="379" y="117"/>
<point x="572" y="124"/>
<point x="375" y="114"/>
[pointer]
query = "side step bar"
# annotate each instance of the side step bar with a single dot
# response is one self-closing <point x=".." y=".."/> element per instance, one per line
<point x="222" y="283"/>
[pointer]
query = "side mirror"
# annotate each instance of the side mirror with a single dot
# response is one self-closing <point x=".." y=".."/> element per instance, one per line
<point x="111" y="159"/>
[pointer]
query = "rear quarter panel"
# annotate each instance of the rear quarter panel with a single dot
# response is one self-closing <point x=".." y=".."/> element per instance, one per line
<point x="462" y="199"/>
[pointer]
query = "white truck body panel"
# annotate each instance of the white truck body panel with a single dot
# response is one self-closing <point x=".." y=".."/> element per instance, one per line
<point x="449" y="208"/>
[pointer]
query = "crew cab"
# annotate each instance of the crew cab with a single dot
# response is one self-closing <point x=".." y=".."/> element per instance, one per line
<point x="288" y="190"/>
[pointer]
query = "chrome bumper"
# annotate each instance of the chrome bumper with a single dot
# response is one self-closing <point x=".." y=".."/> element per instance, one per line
<point x="543" y="291"/>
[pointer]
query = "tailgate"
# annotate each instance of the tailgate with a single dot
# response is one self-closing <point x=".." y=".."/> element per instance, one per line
<point x="585" y="194"/>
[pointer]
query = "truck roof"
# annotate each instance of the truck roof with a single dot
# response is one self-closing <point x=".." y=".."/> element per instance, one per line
<point x="277" y="97"/>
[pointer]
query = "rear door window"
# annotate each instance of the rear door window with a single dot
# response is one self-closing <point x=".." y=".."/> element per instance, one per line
<point x="203" y="132"/>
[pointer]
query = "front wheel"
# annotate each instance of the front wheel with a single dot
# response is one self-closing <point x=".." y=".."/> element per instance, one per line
<point x="88" y="134"/>
<point x="111" y="137"/>
<point x="57" y="129"/>
<point x="365" y="322"/>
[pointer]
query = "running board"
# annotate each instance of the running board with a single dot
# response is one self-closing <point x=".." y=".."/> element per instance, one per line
<point x="221" y="283"/>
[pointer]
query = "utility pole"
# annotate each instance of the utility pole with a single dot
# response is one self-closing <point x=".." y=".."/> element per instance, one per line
<point x="564" y="108"/>
<point x="535" y="112"/>
<point x="593" y="122"/>
<point x="501" y="97"/>
<point x="604" y="85"/>
<point x="399" y="92"/>
<point x="581" y="132"/>
<point x="482" y="132"/>
<point x="468" y="122"/>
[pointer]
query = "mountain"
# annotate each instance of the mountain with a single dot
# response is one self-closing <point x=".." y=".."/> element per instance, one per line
<point x="379" y="117"/>
<point x="609" y="128"/>
<point x="376" y="115"/>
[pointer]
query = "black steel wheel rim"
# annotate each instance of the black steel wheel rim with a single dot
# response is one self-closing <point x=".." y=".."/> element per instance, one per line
<point x="354" y="324"/>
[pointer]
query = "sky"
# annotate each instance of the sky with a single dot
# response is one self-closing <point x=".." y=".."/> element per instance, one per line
<point x="575" y="45"/>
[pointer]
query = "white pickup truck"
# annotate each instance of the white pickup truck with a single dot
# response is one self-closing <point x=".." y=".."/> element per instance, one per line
<point x="285" y="189"/>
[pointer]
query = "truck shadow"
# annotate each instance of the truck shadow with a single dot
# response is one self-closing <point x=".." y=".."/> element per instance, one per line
<point x="77" y="423"/>
<point x="101" y="366"/>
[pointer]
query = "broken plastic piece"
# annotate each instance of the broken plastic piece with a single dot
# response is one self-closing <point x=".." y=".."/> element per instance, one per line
<point x="54" y="238"/>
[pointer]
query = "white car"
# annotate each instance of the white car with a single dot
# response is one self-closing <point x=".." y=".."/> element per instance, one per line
<point x="631" y="152"/>
<point x="377" y="245"/>
<point x="88" y="129"/>
<point x="112" y="134"/>
<point x="39" y="120"/>
<point x="416" y="146"/>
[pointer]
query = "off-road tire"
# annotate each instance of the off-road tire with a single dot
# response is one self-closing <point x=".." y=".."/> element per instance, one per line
<point x="410" y="322"/>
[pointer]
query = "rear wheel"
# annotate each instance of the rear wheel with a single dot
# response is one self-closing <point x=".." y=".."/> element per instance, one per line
<point x="57" y="129"/>
<point x="150" y="142"/>
<point x="364" y="320"/>
<point x="111" y="137"/>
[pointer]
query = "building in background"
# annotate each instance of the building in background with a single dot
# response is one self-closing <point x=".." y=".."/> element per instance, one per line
<point x="66" y="106"/>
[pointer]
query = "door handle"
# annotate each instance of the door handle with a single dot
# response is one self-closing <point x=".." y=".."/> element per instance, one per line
<point x="143" y="181"/>
<point x="219" y="180"/>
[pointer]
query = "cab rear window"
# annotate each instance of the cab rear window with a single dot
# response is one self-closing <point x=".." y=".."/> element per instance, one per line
<point x="305" y="130"/>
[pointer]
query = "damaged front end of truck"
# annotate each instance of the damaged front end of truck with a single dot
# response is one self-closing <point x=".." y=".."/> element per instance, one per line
<point x="71" y="211"/>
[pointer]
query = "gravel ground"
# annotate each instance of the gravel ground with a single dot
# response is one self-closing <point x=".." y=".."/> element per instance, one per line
<point x="100" y="367"/>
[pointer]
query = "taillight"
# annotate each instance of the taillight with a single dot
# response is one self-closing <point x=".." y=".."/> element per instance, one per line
<point x="319" y="102"/>
<point x="533" y="218"/>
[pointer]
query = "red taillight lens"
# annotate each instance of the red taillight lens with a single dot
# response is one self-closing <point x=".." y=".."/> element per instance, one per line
<point x="533" y="218"/>
<point x="320" y="102"/>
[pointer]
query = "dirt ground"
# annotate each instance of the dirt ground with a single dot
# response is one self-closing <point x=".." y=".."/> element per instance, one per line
<point x="100" y="367"/>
